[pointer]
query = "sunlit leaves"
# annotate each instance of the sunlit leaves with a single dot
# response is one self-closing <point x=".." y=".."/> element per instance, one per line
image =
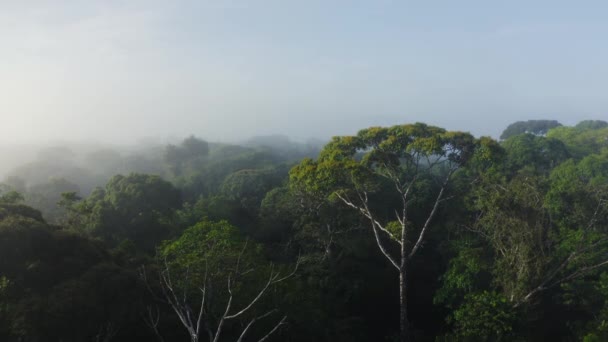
<point x="396" y="153"/>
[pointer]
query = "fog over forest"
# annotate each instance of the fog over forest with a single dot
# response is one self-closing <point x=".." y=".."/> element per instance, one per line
<point x="117" y="72"/>
<point x="296" y="171"/>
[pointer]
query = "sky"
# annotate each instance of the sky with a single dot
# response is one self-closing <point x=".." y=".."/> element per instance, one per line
<point x="120" y="71"/>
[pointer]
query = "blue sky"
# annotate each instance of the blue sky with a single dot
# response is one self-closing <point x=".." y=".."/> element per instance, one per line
<point x="224" y="70"/>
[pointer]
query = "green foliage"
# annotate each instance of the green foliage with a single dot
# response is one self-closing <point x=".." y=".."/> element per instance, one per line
<point x="484" y="316"/>
<point x="46" y="197"/>
<point x="520" y="254"/>
<point x="535" y="127"/>
<point x="11" y="197"/>
<point x="214" y="256"/>
<point x="67" y="279"/>
<point x="136" y="207"/>
<point x="578" y="191"/>
<point x="467" y="272"/>
<point x="532" y="152"/>
<point x="395" y="153"/>
<point x="214" y="245"/>
<point x="591" y="124"/>
<point x="582" y="140"/>
<point x="249" y="186"/>
<point x="206" y="179"/>
<point x="595" y="299"/>
<point x="189" y="154"/>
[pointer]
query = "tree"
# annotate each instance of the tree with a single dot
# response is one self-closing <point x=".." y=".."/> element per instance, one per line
<point x="540" y="154"/>
<point x="191" y="151"/>
<point x="135" y="207"/>
<point x="249" y="186"/>
<point x="591" y="124"/>
<point x="546" y="232"/>
<point x="68" y="279"/>
<point x="46" y="196"/>
<point x="412" y="160"/>
<point x="536" y="127"/>
<point x="583" y="139"/>
<point x="198" y="264"/>
<point x="11" y="197"/>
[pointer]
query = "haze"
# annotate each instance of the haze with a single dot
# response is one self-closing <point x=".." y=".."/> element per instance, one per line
<point x="116" y="72"/>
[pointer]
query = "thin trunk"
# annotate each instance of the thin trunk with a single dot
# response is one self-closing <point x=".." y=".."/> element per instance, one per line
<point x="404" y="322"/>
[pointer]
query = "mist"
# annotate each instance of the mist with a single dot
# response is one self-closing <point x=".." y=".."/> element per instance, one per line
<point x="115" y="73"/>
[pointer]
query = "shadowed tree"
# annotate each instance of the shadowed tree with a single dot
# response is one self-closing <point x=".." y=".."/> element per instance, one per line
<point x="136" y="207"/>
<point x="212" y="263"/>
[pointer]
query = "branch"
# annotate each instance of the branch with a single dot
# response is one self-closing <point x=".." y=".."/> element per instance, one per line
<point x="579" y="273"/>
<point x="152" y="321"/>
<point x="431" y="215"/>
<point x="376" y="235"/>
<point x="281" y="322"/>
<point x="273" y="278"/>
<point x="202" y="309"/>
<point x="382" y="249"/>
<point x="221" y="323"/>
<point x="255" y="319"/>
<point x="367" y="213"/>
<point x="542" y="285"/>
<point x="144" y="277"/>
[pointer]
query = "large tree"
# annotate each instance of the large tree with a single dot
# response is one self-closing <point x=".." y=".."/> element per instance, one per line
<point x="538" y="247"/>
<point x="212" y="276"/>
<point x="411" y="165"/>
<point x="136" y="207"/>
<point x="536" y="127"/>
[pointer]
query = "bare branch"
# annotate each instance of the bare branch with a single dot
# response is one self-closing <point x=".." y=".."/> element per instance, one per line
<point x="281" y="322"/>
<point x="431" y="216"/>
<point x="255" y="319"/>
<point x="579" y="273"/>
<point x="375" y="230"/>
<point x="270" y="281"/>
<point x="151" y="320"/>
<point x="202" y="308"/>
<point x="223" y="319"/>
<point x="195" y="324"/>
<point x="426" y="225"/>
<point x="366" y="212"/>
<point x="295" y="269"/>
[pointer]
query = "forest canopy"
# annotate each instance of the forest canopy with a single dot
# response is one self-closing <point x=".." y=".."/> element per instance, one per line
<point x="404" y="233"/>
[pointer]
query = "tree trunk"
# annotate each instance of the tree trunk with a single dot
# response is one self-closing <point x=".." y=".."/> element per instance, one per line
<point x="404" y="324"/>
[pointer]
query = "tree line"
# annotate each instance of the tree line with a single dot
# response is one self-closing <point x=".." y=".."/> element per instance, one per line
<point x="402" y="233"/>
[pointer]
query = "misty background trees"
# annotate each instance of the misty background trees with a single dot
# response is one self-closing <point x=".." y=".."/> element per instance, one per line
<point x="470" y="238"/>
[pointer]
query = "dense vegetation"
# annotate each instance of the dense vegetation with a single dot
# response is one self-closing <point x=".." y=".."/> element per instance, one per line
<point x="401" y="233"/>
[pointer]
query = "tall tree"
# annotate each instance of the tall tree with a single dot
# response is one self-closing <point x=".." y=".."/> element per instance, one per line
<point x="412" y="160"/>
